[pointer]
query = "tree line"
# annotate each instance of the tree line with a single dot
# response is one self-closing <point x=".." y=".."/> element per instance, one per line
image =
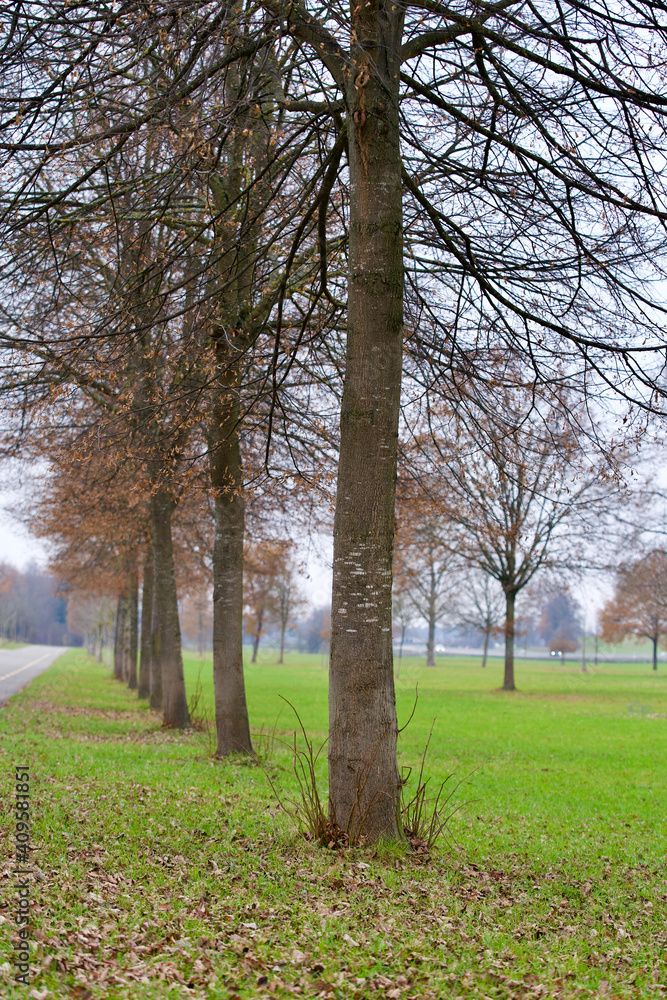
<point x="392" y="268"/>
<point x="32" y="610"/>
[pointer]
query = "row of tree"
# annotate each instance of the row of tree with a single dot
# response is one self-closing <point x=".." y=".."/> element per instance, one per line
<point x="30" y="609"/>
<point x="255" y="254"/>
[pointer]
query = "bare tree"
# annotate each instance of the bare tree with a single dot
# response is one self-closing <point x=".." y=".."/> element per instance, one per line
<point x="403" y="615"/>
<point x="480" y="605"/>
<point x="425" y="566"/>
<point x="525" y="144"/>
<point x="517" y="493"/>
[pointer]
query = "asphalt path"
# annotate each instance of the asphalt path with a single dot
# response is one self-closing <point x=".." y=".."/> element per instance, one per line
<point x="19" y="666"/>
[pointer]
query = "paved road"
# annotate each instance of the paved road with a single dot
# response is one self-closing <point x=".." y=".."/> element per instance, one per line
<point x="19" y="666"/>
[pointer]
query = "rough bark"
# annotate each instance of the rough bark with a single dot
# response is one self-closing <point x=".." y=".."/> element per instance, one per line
<point x="133" y="628"/>
<point x="119" y="638"/>
<point x="364" y="784"/>
<point x="508" y="680"/>
<point x="174" y="703"/>
<point x="231" y="710"/>
<point x="144" y="687"/>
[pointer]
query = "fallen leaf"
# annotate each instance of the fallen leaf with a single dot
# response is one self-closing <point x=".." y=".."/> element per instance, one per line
<point x="350" y="940"/>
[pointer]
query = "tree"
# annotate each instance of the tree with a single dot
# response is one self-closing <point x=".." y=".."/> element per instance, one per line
<point x="425" y="565"/>
<point x="479" y="604"/>
<point x="316" y="629"/>
<point x="32" y="607"/>
<point x="197" y="620"/>
<point x="483" y="73"/>
<point x="403" y="614"/>
<point x="530" y="163"/>
<point x="91" y="617"/>
<point x="517" y="492"/>
<point x="639" y="605"/>
<point x="263" y="564"/>
<point x="560" y="624"/>
<point x="288" y="600"/>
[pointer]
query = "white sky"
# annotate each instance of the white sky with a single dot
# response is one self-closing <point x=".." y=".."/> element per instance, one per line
<point x="17" y="546"/>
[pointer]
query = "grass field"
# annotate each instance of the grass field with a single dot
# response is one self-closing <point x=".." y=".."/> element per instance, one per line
<point x="159" y="872"/>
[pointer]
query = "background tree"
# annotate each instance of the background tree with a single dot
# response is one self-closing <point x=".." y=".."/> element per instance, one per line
<point x="560" y="623"/>
<point x="639" y="605"/>
<point x="511" y="487"/>
<point x="288" y="600"/>
<point x="425" y="564"/>
<point x="480" y="604"/>
<point x="403" y="616"/>
<point x="33" y="609"/>
<point x="537" y="122"/>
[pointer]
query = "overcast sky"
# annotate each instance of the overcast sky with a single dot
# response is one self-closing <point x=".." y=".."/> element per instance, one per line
<point x="17" y="546"/>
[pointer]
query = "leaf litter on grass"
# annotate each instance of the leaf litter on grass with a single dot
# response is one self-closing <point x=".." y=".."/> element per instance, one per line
<point x="174" y="879"/>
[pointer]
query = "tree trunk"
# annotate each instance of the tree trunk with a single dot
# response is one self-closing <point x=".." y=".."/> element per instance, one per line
<point x="144" y="688"/>
<point x="364" y="783"/>
<point x="155" y="701"/>
<point x="255" y="645"/>
<point x="231" y="710"/>
<point x="283" y="628"/>
<point x="133" y="615"/>
<point x="127" y="633"/>
<point x="174" y="703"/>
<point x="485" y="653"/>
<point x="654" y="640"/>
<point x="508" y="681"/>
<point x="119" y="639"/>
<point x="400" y="651"/>
<point x="430" y="643"/>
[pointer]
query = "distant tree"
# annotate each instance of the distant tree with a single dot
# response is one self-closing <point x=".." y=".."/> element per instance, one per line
<point x="91" y="617"/>
<point x="403" y="615"/>
<point x="639" y="605"/>
<point x="509" y="474"/>
<point x="265" y="564"/>
<point x="480" y="604"/>
<point x="560" y="623"/>
<point x="316" y="628"/>
<point x="197" y="619"/>
<point x="288" y="599"/>
<point x="32" y="609"/>
<point x="425" y="564"/>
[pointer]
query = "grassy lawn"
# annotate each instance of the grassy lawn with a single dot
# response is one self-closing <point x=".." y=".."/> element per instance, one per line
<point x="159" y="872"/>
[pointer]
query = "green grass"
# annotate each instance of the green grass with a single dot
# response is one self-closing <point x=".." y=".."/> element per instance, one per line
<point x="159" y="872"/>
<point x="6" y="644"/>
